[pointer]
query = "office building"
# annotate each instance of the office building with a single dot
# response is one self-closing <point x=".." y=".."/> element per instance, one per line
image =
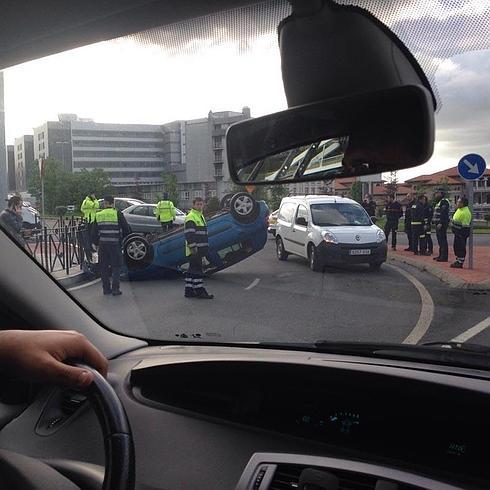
<point x="23" y="156"/>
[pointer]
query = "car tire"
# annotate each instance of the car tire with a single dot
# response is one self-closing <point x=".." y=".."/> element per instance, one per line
<point x="314" y="259"/>
<point x="375" y="266"/>
<point x="244" y="208"/>
<point x="137" y="251"/>
<point x="225" y="201"/>
<point x="281" y="253"/>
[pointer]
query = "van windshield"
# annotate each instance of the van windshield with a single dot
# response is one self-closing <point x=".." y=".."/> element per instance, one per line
<point x="339" y="214"/>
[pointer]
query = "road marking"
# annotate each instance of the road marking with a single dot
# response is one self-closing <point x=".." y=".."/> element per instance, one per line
<point x="254" y="283"/>
<point x="471" y="332"/>
<point x="426" y="311"/>
<point x="86" y="285"/>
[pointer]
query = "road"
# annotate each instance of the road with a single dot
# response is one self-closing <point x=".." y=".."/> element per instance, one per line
<point x="263" y="299"/>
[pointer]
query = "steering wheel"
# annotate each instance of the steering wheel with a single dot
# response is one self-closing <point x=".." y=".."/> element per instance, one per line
<point x="25" y="473"/>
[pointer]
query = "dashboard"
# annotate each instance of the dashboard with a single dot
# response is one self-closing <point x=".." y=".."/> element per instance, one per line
<point x="210" y="417"/>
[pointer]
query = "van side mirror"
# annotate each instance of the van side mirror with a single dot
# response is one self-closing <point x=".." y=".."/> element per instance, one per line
<point x="301" y="221"/>
<point x="374" y="219"/>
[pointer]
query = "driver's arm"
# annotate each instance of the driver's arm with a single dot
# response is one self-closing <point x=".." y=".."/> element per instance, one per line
<point x="40" y="355"/>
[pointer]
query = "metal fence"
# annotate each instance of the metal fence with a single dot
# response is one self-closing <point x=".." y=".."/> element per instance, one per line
<point x="59" y="244"/>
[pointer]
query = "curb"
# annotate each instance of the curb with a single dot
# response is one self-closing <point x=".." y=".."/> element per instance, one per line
<point x="450" y="279"/>
<point x="73" y="279"/>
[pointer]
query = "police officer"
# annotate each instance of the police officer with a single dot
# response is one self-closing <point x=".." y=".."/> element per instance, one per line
<point x="428" y="216"/>
<point x="461" y="228"/>
<point x="89" y="207"/>
<point x="109" y="229"/>
<point x="196" y="248"/>
<point x="417" y="212"/>
<point x="408" y="221"/>
<point x="393" y="213"/>
<point x="165" y="213"/>
<point x="441" y="221"/>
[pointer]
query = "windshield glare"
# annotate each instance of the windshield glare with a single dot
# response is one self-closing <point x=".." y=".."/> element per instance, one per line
<point x="339" y="214"/>
<point x="144" y="119"/>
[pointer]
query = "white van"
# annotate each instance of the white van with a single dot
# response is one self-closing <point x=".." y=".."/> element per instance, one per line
<point x="328" y="230"/>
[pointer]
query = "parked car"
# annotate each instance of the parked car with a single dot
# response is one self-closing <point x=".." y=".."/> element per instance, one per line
<point x="121" y="203"/>
<point x="328" y="230"/>
<point x="273" y="222"/>
<point x="31" y="219"/>
<point x="235" y="233"/>
<point x="141" y="218"/>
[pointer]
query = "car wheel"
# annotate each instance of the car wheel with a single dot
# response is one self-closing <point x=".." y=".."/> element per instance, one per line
<point x="375" y="266"/>
<point x="138" y="252"/>
<point x="225" y="201"/>
<point x="244" y="208"/>
<point x="315" y="263"/>
<point x="281" y="253"/>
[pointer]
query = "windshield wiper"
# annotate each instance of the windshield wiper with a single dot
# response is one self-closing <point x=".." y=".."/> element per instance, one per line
<point x="445" y="353"/>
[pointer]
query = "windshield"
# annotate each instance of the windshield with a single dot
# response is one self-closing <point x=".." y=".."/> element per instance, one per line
<point x="339" y="214"/>
<point x="143" y="119"/>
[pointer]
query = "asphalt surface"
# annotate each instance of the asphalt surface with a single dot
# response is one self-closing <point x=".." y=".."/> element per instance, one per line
<point x="263" y="299"/>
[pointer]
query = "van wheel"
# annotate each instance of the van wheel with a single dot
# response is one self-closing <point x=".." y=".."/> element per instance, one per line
<point x="315" y="264"/>
<point x="375" y="266"/>
<point x="138" y="252"/>
<point x="281" y="253"/>
<point x="244" y="208"/>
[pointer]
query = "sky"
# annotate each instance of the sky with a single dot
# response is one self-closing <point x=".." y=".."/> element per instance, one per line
<point x="128" y="81"/>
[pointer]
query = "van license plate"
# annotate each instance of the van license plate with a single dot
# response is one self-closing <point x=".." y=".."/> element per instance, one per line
<point x="360" y="251"/>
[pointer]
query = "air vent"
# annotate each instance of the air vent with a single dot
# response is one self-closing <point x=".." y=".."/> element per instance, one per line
<point x="287" y="476"/>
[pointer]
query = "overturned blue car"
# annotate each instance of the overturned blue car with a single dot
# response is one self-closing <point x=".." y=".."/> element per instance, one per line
<point x="236" y="232"/>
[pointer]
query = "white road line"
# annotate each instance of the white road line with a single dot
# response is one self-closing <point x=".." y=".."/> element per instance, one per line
<point x="426" y="311"/>
<point x="86" y="285"/>
<point x="254" y="283"/>
<point x="471" y="332"/>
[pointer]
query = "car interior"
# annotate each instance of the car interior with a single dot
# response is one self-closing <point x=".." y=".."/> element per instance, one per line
<point x="192" y="414"/>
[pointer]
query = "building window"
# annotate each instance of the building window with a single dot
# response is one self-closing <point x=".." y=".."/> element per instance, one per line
<point x="184" y="195"/>
<point x="212" y="193"/>
<point x="218" y="156"/>
<point x="218" y="141"/>
<point x="217" y="127"/>
<point x="218" y="171"/>
<point x="198" y="193"/>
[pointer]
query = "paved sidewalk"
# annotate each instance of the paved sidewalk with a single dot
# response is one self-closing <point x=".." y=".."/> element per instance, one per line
<point x="477" y="278"/>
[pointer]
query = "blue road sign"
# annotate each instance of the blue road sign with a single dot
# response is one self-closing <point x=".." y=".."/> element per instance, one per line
<point x="472" y="166"/>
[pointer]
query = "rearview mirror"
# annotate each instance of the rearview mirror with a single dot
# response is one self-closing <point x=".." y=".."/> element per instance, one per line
<point x="341" y="137"/>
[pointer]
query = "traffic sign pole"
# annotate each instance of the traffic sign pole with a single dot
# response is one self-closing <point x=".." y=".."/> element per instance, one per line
<point x="471" y="167"/>
<point x="469" y="195"/>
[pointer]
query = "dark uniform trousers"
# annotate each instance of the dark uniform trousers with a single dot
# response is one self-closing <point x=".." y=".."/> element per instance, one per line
<point x="391" y="227"/>
<point x="441" y="235"/>
<point x="459" y="245"/>
<point x="429" y="244"/>
<point x="110" y="259"/>
<point x="418" y="238"/>
<point x="194" y="278"/>
<point x="408" y="231"/>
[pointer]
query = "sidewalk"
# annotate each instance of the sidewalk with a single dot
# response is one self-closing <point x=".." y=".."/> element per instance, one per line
<point x="478" y="278"/>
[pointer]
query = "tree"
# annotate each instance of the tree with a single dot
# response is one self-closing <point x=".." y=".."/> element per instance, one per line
<point x="33" y="180"/>
<point x="277" y="192"/>
<point x="356" y="191"/>
<point x="392" y="185"/>
<point x="170" y="187"/>
<point x="212" y="206"/>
